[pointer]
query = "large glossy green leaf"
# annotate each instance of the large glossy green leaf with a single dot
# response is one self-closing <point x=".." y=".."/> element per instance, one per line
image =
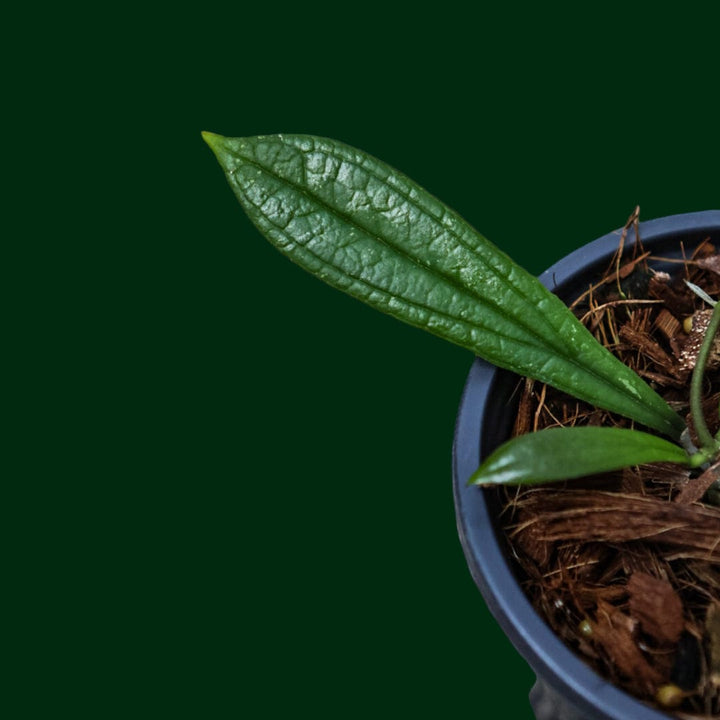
<point x="565" y="453"/>
<point x="365" y="228"/>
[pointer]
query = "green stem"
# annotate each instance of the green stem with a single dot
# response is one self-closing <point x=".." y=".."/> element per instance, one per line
<point x="707" y="441"/>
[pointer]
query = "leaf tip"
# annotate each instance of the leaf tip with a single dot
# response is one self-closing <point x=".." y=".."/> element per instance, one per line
<point x="213" y="140"/>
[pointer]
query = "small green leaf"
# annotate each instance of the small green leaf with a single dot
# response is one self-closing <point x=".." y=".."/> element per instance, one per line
<point x="565" y="453"/>
<point x="368" y="230"/>
<point x="701" y="293"/>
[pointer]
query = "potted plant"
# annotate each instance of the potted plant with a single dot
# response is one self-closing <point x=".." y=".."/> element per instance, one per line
<point x="567" y="687"/>
<point x="363" y="227"/>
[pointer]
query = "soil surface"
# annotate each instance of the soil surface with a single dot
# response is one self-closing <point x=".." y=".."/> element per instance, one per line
<point x="625" y="566"/>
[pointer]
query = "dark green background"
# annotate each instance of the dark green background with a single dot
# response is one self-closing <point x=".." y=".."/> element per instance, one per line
<point x="249" y="498"/>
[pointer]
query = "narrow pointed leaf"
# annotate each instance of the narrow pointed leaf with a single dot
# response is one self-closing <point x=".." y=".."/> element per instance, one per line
<point x="565" y="453"/>
<point x="366" y="229"/>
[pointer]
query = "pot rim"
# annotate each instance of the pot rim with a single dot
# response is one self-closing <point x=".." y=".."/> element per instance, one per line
<point x="548" y="656"/>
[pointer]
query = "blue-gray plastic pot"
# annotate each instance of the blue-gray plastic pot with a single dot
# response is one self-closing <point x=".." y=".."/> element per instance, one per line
<point x="566" y="688"/>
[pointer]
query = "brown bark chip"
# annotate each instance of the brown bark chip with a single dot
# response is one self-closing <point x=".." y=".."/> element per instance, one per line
<point x="612" y="632"/>
<point x="695" y="488"/>
<point x="689" y="531"/>
<point x="656" y="606"/>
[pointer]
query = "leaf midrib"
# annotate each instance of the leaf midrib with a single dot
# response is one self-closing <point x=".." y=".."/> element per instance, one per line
<point x="463" y="289"/>
<point x="410" y="303"/>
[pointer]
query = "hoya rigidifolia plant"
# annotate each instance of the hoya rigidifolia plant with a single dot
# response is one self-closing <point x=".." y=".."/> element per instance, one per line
<point x="368" y="230"/>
